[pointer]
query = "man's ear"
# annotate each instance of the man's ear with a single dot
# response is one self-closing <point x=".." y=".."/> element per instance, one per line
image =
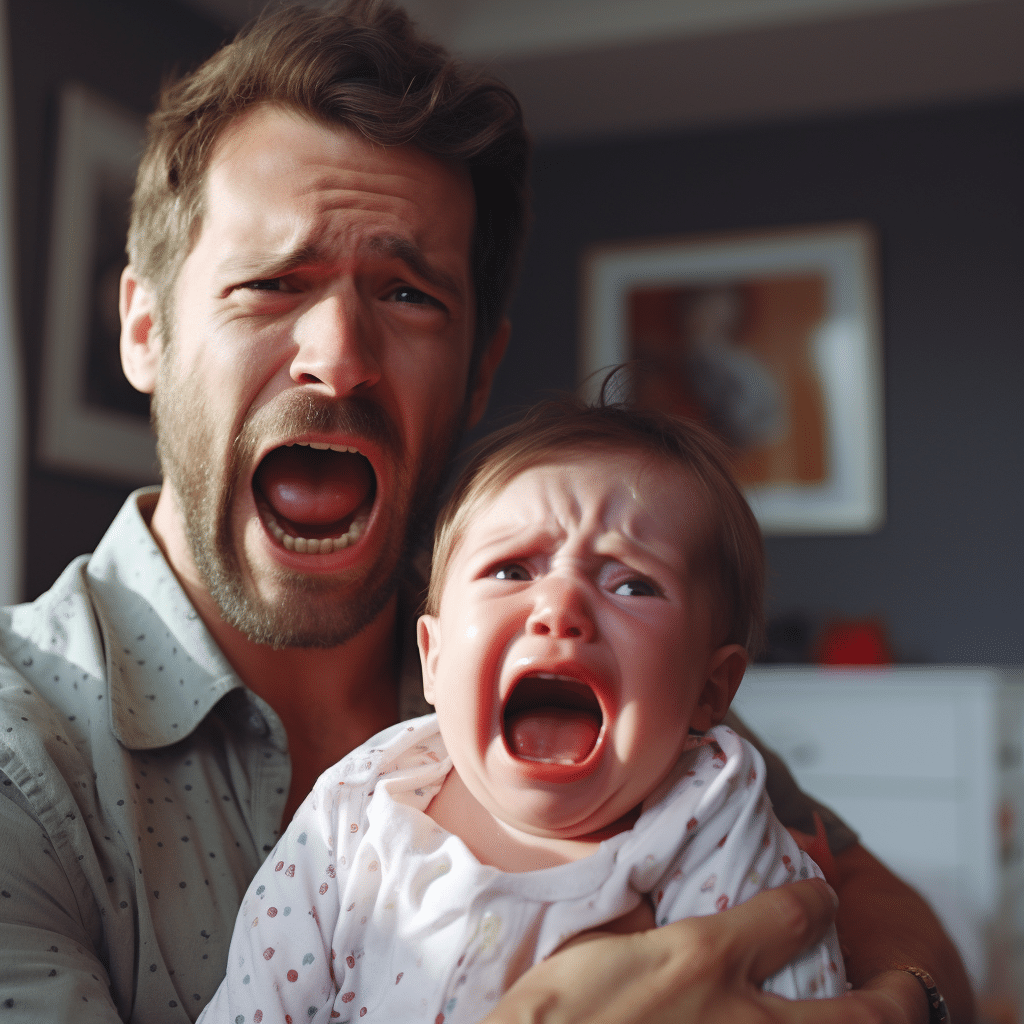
<point x="480" y="390"/>
<point x="141" y="342"/>
<point x="428" y="639"/>
<point x="724" y="673"/>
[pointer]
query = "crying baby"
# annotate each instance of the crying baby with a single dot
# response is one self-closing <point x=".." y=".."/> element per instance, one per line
<point x="596" y="586"/>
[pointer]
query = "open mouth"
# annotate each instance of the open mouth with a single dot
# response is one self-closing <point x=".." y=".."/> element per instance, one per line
<point x="552" y="719"/>
<point x="314" y="497"/>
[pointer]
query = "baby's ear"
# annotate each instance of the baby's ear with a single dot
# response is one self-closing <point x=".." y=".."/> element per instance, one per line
<point x="724" y="674"/>
<point x="428" y="639"/>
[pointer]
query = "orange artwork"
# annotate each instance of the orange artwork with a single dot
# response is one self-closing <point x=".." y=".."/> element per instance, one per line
<point x="739" y="356"/>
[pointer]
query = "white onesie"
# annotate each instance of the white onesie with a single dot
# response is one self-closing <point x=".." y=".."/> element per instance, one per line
<point x="368" y="909"/>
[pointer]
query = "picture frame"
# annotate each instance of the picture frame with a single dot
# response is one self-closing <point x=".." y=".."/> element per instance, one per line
<point x="91" y="421"/>
<point x="773" y="339"/>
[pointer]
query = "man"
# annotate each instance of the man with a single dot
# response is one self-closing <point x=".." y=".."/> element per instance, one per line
<point x="323" y="241"/>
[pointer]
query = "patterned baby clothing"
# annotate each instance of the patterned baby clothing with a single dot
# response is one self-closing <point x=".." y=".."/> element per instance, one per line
<point x="368" y="909"/>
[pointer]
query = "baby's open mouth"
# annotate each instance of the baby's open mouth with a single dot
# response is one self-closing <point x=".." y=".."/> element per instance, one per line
<point x="552" y="719"/>
<point x="315" y="498"/>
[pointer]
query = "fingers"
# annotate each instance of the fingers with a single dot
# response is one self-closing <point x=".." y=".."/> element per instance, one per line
<point x="857" y="1007"/>
<point x="758" y="938"/>
<point x="701" y="970"/>
<point x="781" y="923"/>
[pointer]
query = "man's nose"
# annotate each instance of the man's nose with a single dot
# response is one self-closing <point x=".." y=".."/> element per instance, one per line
<point x="562" y="610"/>
<point x="336" y="345"/>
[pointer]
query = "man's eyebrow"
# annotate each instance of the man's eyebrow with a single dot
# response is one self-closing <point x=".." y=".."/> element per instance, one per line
<point x="265" y="267"/>
<point x="271" y="265"/>
<point x="395" y="247"/>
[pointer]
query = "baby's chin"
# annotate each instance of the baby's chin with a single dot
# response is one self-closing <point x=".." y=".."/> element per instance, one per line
<point x="546" y="815"/>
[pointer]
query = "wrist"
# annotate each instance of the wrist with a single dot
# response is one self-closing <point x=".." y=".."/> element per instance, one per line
<point x="904" y="992"/>
<point x="938" y="1013"/>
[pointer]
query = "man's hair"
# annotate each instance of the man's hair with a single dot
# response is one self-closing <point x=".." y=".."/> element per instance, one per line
<point x="360" y="65"/>
<point x="731" y="559"/>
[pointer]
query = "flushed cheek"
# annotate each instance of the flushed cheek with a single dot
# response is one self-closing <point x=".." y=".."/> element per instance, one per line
<point x="466" y="716"/>
<point x="654" y="734"/>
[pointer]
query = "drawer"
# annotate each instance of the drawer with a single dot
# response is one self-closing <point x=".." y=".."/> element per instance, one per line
<point x="866" y="730"/>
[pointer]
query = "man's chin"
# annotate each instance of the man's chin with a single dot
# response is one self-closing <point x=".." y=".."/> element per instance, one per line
<point x="300" y="617"/>
<point x="282" y="608"/>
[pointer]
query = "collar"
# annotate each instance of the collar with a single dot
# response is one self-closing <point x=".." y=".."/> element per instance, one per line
<point x="164" y="669"/>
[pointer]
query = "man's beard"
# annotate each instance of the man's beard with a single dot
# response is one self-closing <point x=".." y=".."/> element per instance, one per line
<point x="313" y="611"/>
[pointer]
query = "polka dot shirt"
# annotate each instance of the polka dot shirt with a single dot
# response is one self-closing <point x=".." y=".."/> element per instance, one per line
<point x="141" y="786"/>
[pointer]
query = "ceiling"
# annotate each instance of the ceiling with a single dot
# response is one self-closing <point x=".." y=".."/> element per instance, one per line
<point x="586" y="68"/>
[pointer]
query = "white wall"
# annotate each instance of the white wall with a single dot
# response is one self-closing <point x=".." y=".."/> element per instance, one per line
<point x="12" y="430"/>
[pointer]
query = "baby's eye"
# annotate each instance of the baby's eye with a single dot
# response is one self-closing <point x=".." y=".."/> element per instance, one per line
<point x="636" y="588"/>
<point x="269" y="284"/>
<point x="513" y="571"/>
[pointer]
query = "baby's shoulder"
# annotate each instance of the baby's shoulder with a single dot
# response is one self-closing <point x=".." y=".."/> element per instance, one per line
<point x="401" y="749"/>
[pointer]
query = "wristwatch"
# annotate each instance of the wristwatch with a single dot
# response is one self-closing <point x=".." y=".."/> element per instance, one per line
<point x="938" y="1012"/>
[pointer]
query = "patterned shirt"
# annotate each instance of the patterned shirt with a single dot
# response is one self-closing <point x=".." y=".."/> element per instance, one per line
<point x="144" y="786"/>
<point x="369" y="909"/>
<point x="141" y="786"/>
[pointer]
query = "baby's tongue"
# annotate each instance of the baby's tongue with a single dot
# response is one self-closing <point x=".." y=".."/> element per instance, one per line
<point x="314" y="488"/>
<point x="552" y="734"/>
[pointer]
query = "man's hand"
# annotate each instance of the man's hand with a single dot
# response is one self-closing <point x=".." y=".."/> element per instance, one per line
<point x="702" y="970"/>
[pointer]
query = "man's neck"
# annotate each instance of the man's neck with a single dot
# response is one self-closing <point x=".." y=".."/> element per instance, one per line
<point x="329" y="700"/>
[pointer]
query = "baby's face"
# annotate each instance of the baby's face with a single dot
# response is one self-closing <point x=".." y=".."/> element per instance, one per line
<point x="573" y="645"/>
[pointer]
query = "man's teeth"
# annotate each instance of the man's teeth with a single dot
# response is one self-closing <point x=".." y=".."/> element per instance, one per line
<point x="314" y="545"/>
<point x="323" y="446"/>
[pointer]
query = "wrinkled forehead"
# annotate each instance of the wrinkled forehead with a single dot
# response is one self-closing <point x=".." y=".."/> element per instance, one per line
<point x="645" y="497"/>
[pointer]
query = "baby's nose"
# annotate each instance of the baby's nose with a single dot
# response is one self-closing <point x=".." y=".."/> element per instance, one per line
<point x="563" y="611"/>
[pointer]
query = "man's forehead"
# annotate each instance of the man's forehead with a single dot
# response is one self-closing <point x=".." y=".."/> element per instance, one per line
<point x="285" y="191"/>
<point x="267" y="124"/>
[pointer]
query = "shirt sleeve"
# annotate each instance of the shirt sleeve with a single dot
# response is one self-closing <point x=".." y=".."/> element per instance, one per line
<point x="281" y="961"/>
<point x="792" y="806"/>
<point x="51" y="968"/>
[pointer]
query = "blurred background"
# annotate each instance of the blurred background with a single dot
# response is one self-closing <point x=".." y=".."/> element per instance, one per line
<point x="658" y="118"/>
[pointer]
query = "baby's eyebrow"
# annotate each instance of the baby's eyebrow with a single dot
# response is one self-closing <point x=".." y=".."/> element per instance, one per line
<point x="498" y="544"/>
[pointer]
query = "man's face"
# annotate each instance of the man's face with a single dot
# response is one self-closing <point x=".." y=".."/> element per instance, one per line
<point x="573" y="644"/>
<point x="314" y="377"/>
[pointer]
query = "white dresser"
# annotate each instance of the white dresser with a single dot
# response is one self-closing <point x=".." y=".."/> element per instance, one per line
<point x="926" y="764"/>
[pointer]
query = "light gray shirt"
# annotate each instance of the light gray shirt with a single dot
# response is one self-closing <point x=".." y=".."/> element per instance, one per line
<point x="144" y="786"/>
<point x="141" y="786"/>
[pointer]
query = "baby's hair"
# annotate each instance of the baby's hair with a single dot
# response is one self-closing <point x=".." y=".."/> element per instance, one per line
<point x="731" y="558"/>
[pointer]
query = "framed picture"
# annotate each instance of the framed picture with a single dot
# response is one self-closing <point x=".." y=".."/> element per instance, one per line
<point x="92" y="422"/>
<point x="771" y="338"/>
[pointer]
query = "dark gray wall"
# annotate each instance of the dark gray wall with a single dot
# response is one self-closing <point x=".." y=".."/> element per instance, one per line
<point x="120" y="49"/>
<point x="945" y="189"/>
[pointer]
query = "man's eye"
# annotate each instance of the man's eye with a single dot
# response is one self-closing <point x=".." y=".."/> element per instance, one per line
<point x="636" y="588"/>
<point x="510" y="572"/>
<point x="413" y="296"/>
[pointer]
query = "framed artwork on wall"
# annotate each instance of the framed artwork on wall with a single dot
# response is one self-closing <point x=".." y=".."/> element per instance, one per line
<point x="92" y="422"/>
<point x="772" y="338"/>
